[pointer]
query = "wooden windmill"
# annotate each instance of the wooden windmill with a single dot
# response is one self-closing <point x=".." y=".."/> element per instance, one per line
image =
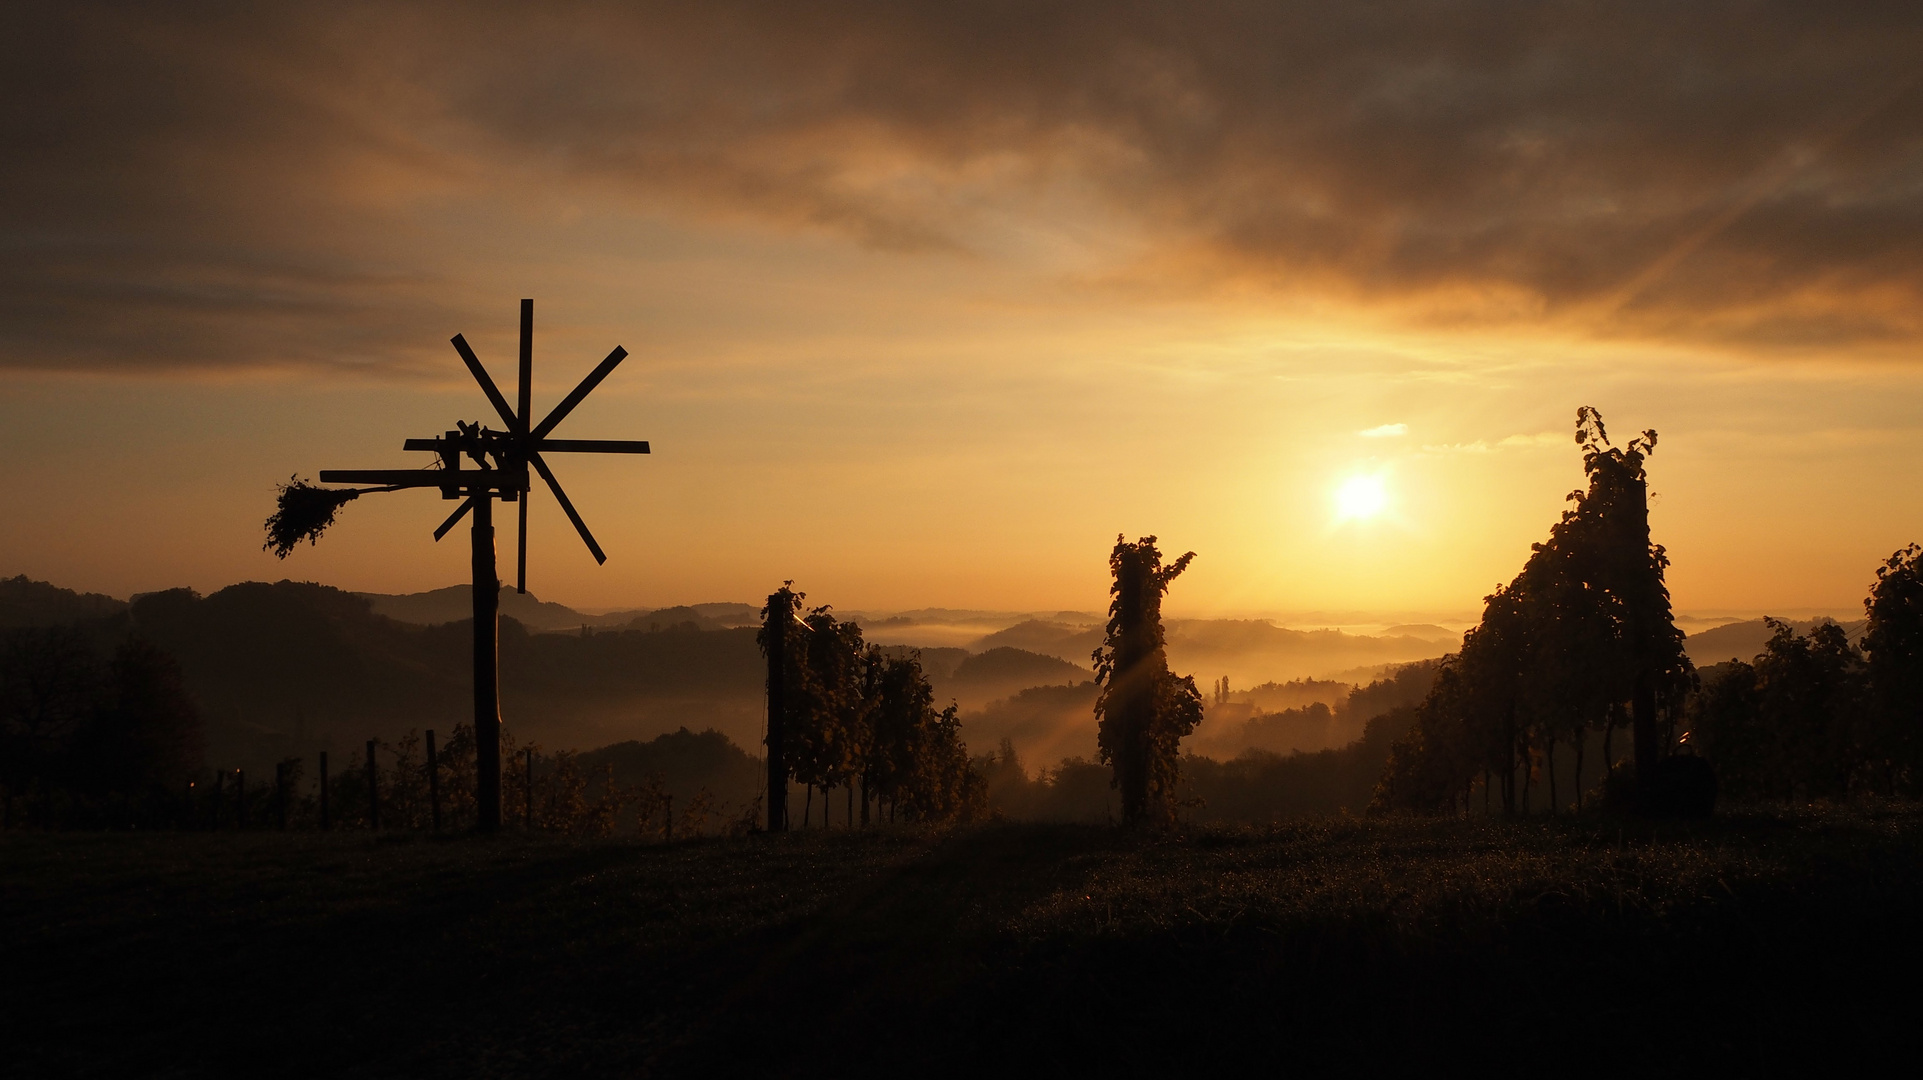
<point x="477" y="465"/>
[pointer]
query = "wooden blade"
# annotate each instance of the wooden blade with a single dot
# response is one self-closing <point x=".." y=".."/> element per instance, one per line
<point x="526" y="409"/>
<point x="492" y="479"/>
<point x="568" y="507"/>
<point x="487" y="383"/>
<point x="574" y="397"/>
<point x="520" y="558"/>
<point x="527" y="366"/>
<point x="454" y="518"/>
<point x="594" y="446"/>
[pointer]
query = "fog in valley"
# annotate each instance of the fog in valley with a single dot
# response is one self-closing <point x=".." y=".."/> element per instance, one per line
<point x="286" y="669"/>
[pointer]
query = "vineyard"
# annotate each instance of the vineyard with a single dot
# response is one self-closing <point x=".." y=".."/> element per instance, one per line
<point x="1737" y="942"/>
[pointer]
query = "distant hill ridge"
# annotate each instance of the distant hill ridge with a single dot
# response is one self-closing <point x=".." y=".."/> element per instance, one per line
<point x="289" y="667"/>
<point x="25" y="602"/>
<point x="455" y="603"/>
<point x="1745" y="640"/>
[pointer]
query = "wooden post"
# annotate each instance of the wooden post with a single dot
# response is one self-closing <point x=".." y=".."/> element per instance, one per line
<point x="667" y="829"/>
<point x="487" y="684"/>
<point x="240" y="799"/>
<point x="280" y="796"/>
<point x="220" y="779"/>
<point x="325" y="824"/>
<point x="776" y="630"/>
<point x="373" y="790"/>
<point x="525" y="411"/>
<point x="433" y="782"/>
<point x="527" y="781"/>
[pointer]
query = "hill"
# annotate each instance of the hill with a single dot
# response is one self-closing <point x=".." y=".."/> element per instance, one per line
<point x="24" y="602"/>
<point x="1745" y="640"/>
<point x="1070" y="642"/>
<point x="289" y="668"/>
<point x="286" y="668"/>
<point x="1249" y="651"/>
<point x="999" y="672"/>
<point x="455" y="603"/>
<point x="685" y="763"/>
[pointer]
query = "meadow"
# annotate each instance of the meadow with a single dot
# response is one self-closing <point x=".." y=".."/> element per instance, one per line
<point x="1763" y="936"/>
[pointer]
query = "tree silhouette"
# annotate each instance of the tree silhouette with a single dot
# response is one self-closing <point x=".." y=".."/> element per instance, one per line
<point x="842" y="714"/>
<point x="1794" y="722"/>
<point x="787" y="682"/>
<point x="93" y="739"/>
<point x="1583" y="631"/>
<point x="1893" y="642"/>
<point x="1726" y="726"/>
<point x="145" y="732"/>
<point x="1614" y="545"/>
<point x="829" y="725"/>
<point x="1143" y="710"/>
<point x="1808" y="695"/>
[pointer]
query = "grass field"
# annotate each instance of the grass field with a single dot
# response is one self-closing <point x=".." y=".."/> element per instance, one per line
<point x="1533" y="947"/>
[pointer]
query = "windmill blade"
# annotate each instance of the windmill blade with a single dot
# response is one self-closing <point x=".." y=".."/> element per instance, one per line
<point x="487" y="384"/>
<point x="594" y="446"/>
<point x="568" y="507"/>
<point x="574" y="397"/>
<point x="454" y="518"/>
<point x="520" y="559"/>
<point x="526" y="408"/>
<point x="527" y="363"/>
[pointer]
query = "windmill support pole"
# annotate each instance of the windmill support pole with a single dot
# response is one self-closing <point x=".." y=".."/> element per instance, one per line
<point x="487" y="683"/>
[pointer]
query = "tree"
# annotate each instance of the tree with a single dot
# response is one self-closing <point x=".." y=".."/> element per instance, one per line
<point x="98" y="741"/>
<point x="1584" y="630"/>
<point x="49" y="684"/>
<point x="787" y="681"/>
<point x="1143" y="710"/>
<point x="1727" y="728"/>
<point x="145" y="732"/>
<point x="1893" y="642"/>
<point x="1808" y="694"/>
<point x="828" y="727"/>
<point x="916" y="760"/>
<point x="1621" y="559"/>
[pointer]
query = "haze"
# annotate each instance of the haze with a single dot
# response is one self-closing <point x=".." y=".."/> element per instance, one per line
<point x="929" y="302"/>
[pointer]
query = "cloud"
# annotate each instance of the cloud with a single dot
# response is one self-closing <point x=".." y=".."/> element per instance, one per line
<point x="1385" y="431"/>
<point x="1537" y="441"/>
<point x="203" y="185"/>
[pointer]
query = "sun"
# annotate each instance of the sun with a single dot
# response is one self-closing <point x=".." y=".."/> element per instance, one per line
<point x="1361" y="498"/>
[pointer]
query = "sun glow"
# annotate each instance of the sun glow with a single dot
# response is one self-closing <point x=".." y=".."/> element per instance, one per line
<point x="1361" y="498"/>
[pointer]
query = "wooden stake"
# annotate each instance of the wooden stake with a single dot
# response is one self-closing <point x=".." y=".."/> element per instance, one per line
<point x="280" y="796"/>
<point x="220" y="779"/>
<point x="240" y="799"/>
<point x="527" y="780"/>
<point x="325" y="823"/>
<point x="373" y="791"/>
<point x="433" y="782"/>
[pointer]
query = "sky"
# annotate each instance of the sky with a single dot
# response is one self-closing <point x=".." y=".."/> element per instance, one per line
<point x="926" y="303"/>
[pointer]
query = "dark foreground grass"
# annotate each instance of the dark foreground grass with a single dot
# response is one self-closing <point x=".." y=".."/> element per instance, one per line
<point x="1750" y="943"/>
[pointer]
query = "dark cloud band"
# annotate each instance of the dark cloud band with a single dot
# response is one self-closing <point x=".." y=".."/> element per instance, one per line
<point x="184" y="182"/>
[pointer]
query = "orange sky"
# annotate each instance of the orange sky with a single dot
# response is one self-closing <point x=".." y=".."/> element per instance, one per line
<point x="927" y="303"/>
